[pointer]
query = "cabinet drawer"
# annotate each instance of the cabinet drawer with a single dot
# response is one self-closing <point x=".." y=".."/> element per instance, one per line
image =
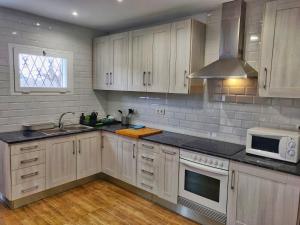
<point x="27" y="147"/>
<point x="27" y="160"/>
<point x="147" y="184"/>
<point x="148" y="146"/>
<point x="28" y="174"/>
<point x="28" y="188"/>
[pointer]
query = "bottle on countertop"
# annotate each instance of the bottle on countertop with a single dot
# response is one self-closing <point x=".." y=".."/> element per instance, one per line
<point x="82" y="118"/>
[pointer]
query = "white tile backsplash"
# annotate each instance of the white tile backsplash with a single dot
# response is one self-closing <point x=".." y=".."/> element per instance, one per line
<point x="16" y="110"/>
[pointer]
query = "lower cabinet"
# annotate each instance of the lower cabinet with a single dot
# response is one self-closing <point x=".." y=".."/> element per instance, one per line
<point x="127" y="158"/>
<point x="110" y="154"/>
<point x="168" y="172"/>
<point x="60" y="161"/>
<point x="71" y="158"/>
<point x="260" y="196"/>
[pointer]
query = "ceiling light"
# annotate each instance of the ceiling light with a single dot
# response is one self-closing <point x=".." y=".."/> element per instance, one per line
<point x="254" y="38"/>
<point x="38" y="24"/>
<point x="120" y="0"/>
<point x="74" y="13"/>
<point x="14" y="33"/>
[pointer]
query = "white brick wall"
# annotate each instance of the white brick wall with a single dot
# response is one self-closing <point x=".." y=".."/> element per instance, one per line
<point x="196" y="115"/>
<point x="16" y="110"/>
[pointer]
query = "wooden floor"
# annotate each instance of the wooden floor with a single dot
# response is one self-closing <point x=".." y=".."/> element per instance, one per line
<point x="98" y="202"/>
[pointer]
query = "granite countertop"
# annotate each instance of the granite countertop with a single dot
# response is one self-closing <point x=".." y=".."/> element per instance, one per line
<point x="174" y="140"/>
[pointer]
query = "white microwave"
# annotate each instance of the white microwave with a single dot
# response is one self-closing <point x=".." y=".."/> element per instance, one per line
<point x="274" y="143"/>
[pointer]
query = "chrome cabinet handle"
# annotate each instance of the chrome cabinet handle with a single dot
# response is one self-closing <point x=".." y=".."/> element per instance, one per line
<point x="111" y="78"/>
<point x="232" y="179"/>
<point x="74" y="147"/>
<point x="102" y="144"/>
<point x="266" y="76"/>
<point x="29" y="175"/>
<point x="147" y="172"/>
<point x="29" y="160"/>
<point x="149" y="79"/>
<point x="169" y="153"/>
<point x="144" y="78"/>
<point x="147" y="158"/>
<point x="184" y="81"/>
<point x="106" y="79"/>
<point x="30" y="189"/>
<point x="146" y="185"/>
<point x="133" y="153"/>
<point x="79" y="147"/>
<point x="29" y="148"/>
<point x="148" y="146"/>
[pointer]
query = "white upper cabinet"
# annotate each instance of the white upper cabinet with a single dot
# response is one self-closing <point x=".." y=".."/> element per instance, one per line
<point x="155" y="59"/>
<point x="101" y="64"/>
<point x="187" y="53"/>
<point x="140" y="49"/>
<point x="111" y="62"/>
<point x="279" y="71"/>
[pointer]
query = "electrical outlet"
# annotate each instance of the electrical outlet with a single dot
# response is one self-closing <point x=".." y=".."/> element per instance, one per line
<point x="160" y="111"/>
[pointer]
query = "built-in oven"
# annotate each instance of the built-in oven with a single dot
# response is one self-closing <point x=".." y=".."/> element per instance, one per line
<point x="203" y="180"/>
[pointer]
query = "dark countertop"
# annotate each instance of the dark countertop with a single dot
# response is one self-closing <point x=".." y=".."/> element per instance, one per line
<point x="174" y="140"/>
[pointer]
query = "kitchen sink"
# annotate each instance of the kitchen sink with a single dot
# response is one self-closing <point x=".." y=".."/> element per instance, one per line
<point x="66" y="129"/>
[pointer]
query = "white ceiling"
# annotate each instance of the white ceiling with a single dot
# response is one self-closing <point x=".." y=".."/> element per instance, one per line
<point x="109" y="15"/>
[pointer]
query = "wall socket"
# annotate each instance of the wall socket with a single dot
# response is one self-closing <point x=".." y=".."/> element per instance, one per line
<point x="160" y="111"/>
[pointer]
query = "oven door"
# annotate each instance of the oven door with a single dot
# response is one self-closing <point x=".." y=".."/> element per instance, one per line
<point x="204" y="185"/>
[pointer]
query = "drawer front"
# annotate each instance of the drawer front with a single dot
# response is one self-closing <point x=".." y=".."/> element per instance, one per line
<point x="148" y="146"/>
<point x="28" y="188"/>
<point x="27" y="160"/>
<point x="147" y="184"/>
<point x="147" y="157"/>
<point x="28" y="174"/>
<point x="27" y="147"/>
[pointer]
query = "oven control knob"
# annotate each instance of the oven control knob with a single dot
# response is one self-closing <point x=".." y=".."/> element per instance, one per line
<point x="195" y="157"/>
<point x="221" y="164"/>
<point x="291" y="153"/>
<point x="205" y="160"/>
<point x="216" y="163"/>
<point x="210" y="161"/>
<point x="199" y="159"/>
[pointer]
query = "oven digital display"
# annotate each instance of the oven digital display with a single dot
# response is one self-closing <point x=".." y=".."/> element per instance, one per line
<point x="265" y="144"/>
<point x="204" y="186"/>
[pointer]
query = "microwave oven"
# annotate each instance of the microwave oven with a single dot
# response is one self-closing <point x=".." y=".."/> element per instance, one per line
<point x="274" y="143"/>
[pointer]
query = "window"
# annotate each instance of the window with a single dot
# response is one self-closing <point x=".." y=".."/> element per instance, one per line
<point x="37" y="70"/>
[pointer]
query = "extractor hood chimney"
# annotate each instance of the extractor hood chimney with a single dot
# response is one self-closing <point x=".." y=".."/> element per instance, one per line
<point x="230" y="63"/>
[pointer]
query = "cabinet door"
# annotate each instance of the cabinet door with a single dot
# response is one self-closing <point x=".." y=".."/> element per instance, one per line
<point x="110" y="154"/>
<point x="139" y="57"/>
<point x="119" y="58"/>
<point x="88" y="154"/>
<point x="180" y="56"/>
<point x="259" y="196"/>
<point x="102" y="64"/>
<point x="279" y="72"/>
<point x="158" y="73"/>
<point x="169" y="168"/>
<point x="60" y="161"/>
<point x="127" y="160"/>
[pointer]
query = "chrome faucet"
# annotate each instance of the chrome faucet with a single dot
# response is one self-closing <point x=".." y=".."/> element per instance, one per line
<point x="60" y="123"/>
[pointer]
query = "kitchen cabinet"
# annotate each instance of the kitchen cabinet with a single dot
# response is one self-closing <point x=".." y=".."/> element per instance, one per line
<point x="127" y="160"/>
<point x="168" y="172"/>
<point x="111" y="62"/>
<point x="261" y="196"/>
<point x="60" y="161"/>
<point x="88" y="154"/>
<point x="150" y="59"/>
<point x="110" y="154"/>
<point x="187" y="53"/>
<point x="280" y="50"/>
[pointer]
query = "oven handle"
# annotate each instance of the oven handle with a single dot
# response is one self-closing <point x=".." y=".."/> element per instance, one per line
<point x="204" y="168"/>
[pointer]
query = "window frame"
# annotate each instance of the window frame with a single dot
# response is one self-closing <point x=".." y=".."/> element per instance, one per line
<point x="16" y="89"/>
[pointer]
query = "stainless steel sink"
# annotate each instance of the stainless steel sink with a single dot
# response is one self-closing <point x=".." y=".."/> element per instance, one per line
<point x="66" y="129"/>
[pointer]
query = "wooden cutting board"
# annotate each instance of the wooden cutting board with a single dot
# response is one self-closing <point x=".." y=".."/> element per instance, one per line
<point x="138" y="133"/>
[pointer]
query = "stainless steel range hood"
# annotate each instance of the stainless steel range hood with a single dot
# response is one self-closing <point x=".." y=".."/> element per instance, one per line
<point x="230" y="63"/>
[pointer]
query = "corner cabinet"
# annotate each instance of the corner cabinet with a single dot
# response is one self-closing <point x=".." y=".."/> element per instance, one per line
<point x="154" y="59"/>
<point x="111" y="62"/>
<point x="280" y="51"/>
<point x="187" y="53"/>
<point x="261" y="196"/>
<point x="109" y="154"/>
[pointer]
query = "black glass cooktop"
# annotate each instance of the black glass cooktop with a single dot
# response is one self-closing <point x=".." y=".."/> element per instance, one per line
<point x="213" y="146"/>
